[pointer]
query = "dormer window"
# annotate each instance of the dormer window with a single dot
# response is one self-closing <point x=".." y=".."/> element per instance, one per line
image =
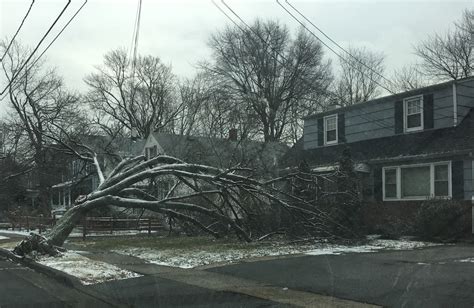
<point x="413" y="113"/>
<point x="330" y="129"/>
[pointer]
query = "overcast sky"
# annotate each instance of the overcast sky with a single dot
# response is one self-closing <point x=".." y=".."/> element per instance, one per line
<point x="177" y="31"/>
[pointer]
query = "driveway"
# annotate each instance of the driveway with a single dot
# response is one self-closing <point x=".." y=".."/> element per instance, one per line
<point x="431" y="277"/>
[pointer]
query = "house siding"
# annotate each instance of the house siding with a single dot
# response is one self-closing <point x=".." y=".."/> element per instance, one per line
<point x="377" y="120"/>
<point x="468" y="179"/>
<point x="465" y="98"/>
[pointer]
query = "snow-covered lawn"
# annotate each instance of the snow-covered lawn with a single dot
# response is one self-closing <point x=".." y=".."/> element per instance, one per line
<point x="194" y="257"/>
<point x="87" y="270"/>
<point x="3" y="238"/>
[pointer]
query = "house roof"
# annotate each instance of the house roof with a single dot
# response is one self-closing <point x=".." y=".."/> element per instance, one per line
<point x="433" y="142"/>
<point x="221" y="152"/>
<point x="393" y="97"/>
<point x="120" y="146"/>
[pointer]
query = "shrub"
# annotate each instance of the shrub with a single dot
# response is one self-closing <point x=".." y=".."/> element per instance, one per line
<point x="393" y="228"/>
<point x="440" y="219"/>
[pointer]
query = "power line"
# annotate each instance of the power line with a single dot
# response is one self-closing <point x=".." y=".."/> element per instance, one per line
<point x="274" y="50"/>
<point x="18" y="30"/>
<point x="377" y="122"/>
<point x="335" y="43"/>
<point x="54" y="39"/>
<point x="136" y="37"/>
<point x="36" y="48"/>
<point x="327" y="46"/>
<point x="57" y="35"/>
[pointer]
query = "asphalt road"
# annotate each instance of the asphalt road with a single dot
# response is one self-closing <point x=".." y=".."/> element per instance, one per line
<point x="432" y="277"/>
<point x="152" y="291"/>
<point x="23" y="287"/>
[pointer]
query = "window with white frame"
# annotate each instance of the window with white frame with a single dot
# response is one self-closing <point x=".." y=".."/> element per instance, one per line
<point x="330" y="129"/>
<point x="417" y="182"/>
<point x="413" y="113"/>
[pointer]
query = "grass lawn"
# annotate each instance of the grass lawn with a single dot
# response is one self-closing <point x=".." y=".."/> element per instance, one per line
<point x="165" y="243"/>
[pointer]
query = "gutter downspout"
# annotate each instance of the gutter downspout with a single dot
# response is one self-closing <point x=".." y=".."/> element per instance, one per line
<point x="455" y="105"/>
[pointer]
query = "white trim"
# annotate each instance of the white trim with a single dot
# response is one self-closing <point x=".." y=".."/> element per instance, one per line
<point x="412" y="129"/>
<point x="455" y="105"/>
<point x="326" y="142"/>
<point x="432" y="188"/>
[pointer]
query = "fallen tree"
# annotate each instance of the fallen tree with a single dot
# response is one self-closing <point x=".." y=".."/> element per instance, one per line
<point x="206" y="197"/>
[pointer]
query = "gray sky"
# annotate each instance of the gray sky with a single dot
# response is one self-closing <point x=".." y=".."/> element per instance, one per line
<point x="177" y="31"/>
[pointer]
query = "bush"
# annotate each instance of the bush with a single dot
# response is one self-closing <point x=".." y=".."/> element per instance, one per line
<point x="393" y="228"/>
<point x="441" y="219"/>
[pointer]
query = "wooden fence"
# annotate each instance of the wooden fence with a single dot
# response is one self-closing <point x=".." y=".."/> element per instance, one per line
<point x="111" y="224"/>
<point x="32" y="223"/>
<point x="89" y="224"/>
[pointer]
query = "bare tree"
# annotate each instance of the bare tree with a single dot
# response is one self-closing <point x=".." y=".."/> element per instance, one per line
<point x="450" y="55"/>
<point x="40" y="105"/>
<point x="269" y="74"/>
<point x="408" y="78"/>
<point x="129" y="96"/>
<point x="359" y="76"/>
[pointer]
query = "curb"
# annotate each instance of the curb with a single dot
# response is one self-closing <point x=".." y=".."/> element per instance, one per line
<point x="61" y="277"/>
<point x="57" y="275"/>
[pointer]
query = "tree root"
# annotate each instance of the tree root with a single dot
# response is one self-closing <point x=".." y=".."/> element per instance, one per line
<point x="36" y="244"/>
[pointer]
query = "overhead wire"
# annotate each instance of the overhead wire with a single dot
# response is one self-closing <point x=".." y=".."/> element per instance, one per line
<point x="330" y="48"/>
<point x="381" y="123"/>
<point x="342" y="58"/>
<point x="15" y="75"/>
<point x="17" y="31"/>
<point x="375" y="121"/>
<point x="60" y="32"/>
<point x="335" y="43"/>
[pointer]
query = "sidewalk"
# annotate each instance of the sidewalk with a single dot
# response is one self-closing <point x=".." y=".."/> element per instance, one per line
<point x="23" y="287"/>
<point x="216" y="282"/>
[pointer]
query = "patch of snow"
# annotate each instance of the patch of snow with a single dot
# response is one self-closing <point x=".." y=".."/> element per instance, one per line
<point x="107" y="233"/>
<point x="372" y="246"/>
<point x="190" y="258"/>
<point x="17" y="232"/>
<point x="87" y="270"/>
<point x="467" y="260"/>
<point x="3" y="238"/>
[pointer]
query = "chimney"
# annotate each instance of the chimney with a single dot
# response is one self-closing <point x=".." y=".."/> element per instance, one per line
<point x="233" y="134"/>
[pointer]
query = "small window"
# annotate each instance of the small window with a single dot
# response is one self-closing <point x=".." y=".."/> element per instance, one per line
<point x="330" y="129"/>
<point x="391" y="183"/>
<point x="441" y="180"/>
<point x="413" y="118"/>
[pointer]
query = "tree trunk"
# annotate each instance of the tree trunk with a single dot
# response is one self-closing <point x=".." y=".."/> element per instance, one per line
<point x="59" y="233"/>
<point x="64" y="226"/>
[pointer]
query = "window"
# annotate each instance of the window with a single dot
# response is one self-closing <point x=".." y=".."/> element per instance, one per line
<point x="151" y="152"/>
<point x="441" y="180"/>
<point x="330" y="129"/>
<point x="413" y="113"/>
<point x="391" y="183"/>
<point x="417" y="182"/>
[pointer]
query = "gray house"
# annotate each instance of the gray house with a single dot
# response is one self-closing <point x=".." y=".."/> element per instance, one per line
<point x="406" y="147"/>
<point x="80" y="177"/>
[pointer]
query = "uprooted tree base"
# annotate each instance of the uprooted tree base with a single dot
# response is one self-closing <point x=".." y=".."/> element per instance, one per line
<point x="213" y="200"/>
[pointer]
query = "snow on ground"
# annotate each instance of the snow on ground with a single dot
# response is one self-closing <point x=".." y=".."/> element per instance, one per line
<point x="190" y="258"/>
<point x="373" y="245"/>
<point x="16" y="232"/>
<point x="87" y="270"/>
<point x="3" y="238"/>
<point x="77" y="233"/>
<point x="467" y="260"/>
